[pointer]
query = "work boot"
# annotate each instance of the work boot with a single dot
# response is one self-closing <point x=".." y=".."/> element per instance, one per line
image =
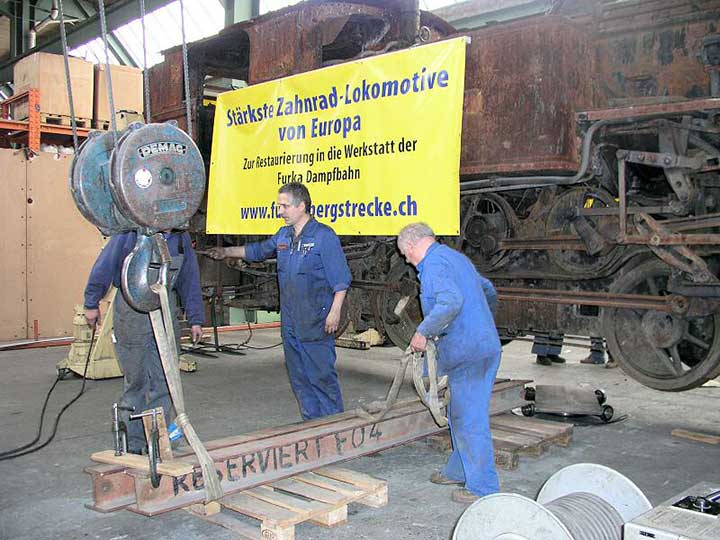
<point x="464" y="496"/>
<point x="594" y="359"/>
<point x="611" y="363"/>
<point x="543" y="360"/>
<point x="556" y="359"/>
<point x="439" y="478"/>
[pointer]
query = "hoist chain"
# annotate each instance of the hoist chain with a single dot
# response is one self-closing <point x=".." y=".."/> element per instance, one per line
<point x="63" y="39"/>
<point x="186" y="74"/>
<point x="103" y="31"/>
<point x="146" y="75"/>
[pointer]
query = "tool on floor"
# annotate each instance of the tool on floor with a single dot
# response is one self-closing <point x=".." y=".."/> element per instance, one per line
<point x="119" y="429"/>
<point x="153" y="444"/>
<point x="567" y="401"/>
<point x="580" y="502"/>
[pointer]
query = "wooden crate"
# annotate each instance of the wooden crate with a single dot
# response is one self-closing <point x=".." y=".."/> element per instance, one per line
<point x="127" y="91"/>
<point x="46" y="72"/>
<point x="320" y="497"/>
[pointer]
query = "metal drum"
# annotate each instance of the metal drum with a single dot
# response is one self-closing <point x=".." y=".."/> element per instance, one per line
<point x="90" y="185"/>
<point x="158" y="176"/>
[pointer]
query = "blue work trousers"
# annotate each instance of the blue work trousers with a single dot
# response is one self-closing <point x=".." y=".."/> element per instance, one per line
<point x="311" y="368"/>
<point x="473" y="456"/>
<point x="145" y="386"/>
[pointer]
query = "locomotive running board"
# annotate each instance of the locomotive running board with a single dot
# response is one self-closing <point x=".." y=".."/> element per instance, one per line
<point x="246" y="461"/>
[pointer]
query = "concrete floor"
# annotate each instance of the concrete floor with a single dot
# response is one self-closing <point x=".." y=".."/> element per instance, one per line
<point x="44" y="493"/>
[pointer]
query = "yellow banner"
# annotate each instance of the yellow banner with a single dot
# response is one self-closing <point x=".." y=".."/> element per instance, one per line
<point x="376" y="141"/>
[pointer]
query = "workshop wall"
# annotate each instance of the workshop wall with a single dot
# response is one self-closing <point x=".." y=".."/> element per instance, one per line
<point x="48" y="248"/>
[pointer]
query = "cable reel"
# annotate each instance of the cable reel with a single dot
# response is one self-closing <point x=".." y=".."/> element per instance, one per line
<point x="584" y="501"/>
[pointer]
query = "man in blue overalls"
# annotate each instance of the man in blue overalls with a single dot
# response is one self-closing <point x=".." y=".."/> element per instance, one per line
<point x="457" y="304"/>
<point x="145" y="385"/>
<point x="314" y="277"/>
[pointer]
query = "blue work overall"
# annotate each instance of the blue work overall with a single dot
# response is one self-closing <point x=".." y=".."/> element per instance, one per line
<point x="458" y="305"/>
<point x="311" y="269"/>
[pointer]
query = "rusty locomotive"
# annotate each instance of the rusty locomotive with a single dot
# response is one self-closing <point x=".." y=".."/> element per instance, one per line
<point x="590" y="191"/>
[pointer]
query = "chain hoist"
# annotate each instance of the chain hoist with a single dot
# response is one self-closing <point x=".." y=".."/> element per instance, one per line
<point x="149" y="178"/>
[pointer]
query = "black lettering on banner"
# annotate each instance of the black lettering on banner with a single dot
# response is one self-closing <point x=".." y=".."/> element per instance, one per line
<point x="317" y="447"/>
<point x="375" y="432"/>
<point x="299" y="452"/>
<point x="248" y="464"/>
<point x="282" y="454"/>
<point x="230" y="466"/>
<point x="179" y="482"/>
<point x="339" y="441"/>
<point x="357" y="442"/>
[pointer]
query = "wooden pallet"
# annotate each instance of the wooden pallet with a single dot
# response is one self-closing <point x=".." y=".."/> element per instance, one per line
<point x="123" y="119"/>
<point x="320" y="497"/>
<point x="514" y="436"/>
<point x="62" y="120"/>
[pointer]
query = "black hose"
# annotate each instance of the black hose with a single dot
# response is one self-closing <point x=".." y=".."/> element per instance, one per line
<point x="26" y="448"/>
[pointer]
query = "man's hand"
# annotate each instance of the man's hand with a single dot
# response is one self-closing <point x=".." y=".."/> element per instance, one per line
<point x="196" y="331"/>
<point x="216" y="253"/>
<point x="333" y="321"/>
<point x="418" y="343"/>
<point x="93" y="317"/>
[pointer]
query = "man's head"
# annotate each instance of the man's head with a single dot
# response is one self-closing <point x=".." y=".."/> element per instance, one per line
<point x="414" y="241"/>
<point x="294" y="202"/>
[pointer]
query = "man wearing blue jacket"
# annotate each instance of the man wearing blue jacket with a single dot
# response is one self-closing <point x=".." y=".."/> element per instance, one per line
<point x="458" y="304"/>
<point x="145" y="385"/>
<point x="314" y="277"/>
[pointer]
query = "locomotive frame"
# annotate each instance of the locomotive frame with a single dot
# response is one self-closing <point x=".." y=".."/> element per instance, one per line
<point x="590" y="192"/>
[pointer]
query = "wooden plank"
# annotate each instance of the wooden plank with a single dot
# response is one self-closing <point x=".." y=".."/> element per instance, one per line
<point x="696" y="436"/>
<point x="502" y="437"/>
<point x="133" y="461"/>
<point x="329" y="483"/>
<point x="315" y="511"/>
<point x="532" y="425"/>
<point x="262" y="510"/>
<point x="311" y="492"/>
<point x="302" y="507"/>
<point x="351" y="477"/>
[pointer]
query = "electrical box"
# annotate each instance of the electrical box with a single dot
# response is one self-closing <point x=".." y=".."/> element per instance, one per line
<point x="691" y="515"/>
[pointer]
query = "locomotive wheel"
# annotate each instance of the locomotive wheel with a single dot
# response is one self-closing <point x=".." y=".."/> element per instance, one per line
<point x="559" y="224"/>
<point x="664" y="351"/>
<point x="400" y="328"/>
<point x="487" y="221"/>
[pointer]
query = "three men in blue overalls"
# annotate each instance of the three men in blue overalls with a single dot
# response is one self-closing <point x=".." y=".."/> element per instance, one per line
<point x="145" y="385"/>
<point x="314" y="277"/>
<point x="457" y="304"/>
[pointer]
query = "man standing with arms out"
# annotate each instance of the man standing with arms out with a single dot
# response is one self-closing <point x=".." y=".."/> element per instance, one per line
<point x="314" y="278"/>
<point x="145" y="385"/>
<point x="456" y="304"/>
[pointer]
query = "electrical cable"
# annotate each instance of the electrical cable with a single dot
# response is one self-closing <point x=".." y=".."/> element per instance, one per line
<point x="25" y="449"/>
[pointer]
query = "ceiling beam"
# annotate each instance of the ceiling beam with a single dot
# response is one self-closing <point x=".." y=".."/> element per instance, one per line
<point x="117" y="14"/>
